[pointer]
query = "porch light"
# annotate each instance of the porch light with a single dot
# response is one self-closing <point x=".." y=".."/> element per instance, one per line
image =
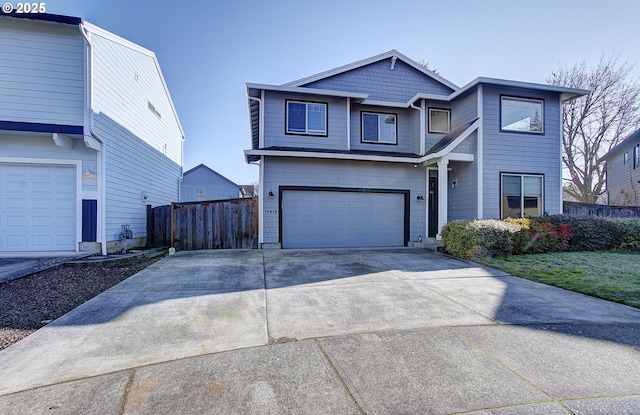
<point x="270" y="194"/>
<point x="419" y="197"/>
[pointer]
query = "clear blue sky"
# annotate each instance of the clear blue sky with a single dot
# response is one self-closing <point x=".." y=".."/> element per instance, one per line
<point x="209" y="49"/>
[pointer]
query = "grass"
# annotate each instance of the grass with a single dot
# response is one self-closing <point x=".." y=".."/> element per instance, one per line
<point x="613" y="276"/>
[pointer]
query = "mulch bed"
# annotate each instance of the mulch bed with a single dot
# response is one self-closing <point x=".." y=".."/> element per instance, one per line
<point x="31" y="302"/>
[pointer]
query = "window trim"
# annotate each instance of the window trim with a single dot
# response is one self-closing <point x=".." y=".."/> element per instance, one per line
<point x="448" y="111"/>
<point x="521" y="175"/>
<point x="362" y="140"/>
<point x="306" y="103"/>
<point x="636" y="156"/>
<point x="518" y="98"/>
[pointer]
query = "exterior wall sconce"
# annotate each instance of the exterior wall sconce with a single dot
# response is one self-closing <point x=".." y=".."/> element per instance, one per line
<point x="454" y="183"/>
<point x="419" y="197"/>
<point x="270" y="194"/>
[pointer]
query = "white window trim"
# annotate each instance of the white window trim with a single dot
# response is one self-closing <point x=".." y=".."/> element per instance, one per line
<point x="431" y="129"/>
<point x="306" y="118"/>
<point x="378" y="114"/>
<point x="521" y="99"/>
<point x="522" y="176"/>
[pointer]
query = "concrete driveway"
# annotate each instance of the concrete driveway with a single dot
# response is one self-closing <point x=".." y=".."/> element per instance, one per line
<point x="386" y="331"/>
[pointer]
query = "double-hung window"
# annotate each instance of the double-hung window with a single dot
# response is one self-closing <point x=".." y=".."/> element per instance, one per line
<point x="521" y="195"/>
<point x="522" y="115"/>
<point x="379" y="128"/>
<point x="439" y="120"/>
<point x="636" y="156"/>
<point x="307" y="118"/>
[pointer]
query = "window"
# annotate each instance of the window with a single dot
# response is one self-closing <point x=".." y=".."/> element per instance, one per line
<point x="199" y="194"/>
<point x="306" y="118"/>
<point x="636" y="156"/>
<point x="378" y="128"/>
<point x="522" y="195"/>
<point x="439" y="120"/>
<point x="625" y="158"/>
<point x="522" y="115"/>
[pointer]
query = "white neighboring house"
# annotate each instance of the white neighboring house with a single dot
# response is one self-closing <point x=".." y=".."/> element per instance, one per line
<point x="202" y="183"/>
<point x="88" y="136"/>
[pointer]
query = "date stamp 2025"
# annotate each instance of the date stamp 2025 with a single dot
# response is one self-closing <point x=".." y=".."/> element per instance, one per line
<point x="24" y="8"/>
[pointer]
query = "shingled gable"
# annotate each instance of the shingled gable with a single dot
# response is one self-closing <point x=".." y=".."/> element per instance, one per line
<point x="389" y="77"/>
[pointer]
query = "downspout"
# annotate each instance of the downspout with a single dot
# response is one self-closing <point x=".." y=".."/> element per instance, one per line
<point x="89" y="114"/>
<point x="261" y="174"/>
<point x="422" y="133"/>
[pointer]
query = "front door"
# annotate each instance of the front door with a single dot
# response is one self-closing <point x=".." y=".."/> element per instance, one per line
<point x="433" y="206"/>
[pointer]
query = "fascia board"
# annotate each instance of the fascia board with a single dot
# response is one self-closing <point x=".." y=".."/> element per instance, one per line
<point x="309" y="91"/>
<point x="341" y="156"/>
<point x="341" y="69"/>
<point x="445" y="151"/>
<point x="566" y="93"/>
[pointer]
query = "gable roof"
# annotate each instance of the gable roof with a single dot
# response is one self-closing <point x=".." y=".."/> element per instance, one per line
<point x="626" y="144"/>
<point x="208" y="169"/>
<point x="364" y="62"/>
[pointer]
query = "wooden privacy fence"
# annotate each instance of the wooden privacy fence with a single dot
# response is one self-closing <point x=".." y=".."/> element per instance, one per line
<point x="225" y="224"/>
<point x="588" y="209"/>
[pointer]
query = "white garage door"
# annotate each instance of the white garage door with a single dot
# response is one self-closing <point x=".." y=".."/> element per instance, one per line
<point x="328" y="219"/>
<point x="37" y="207"/>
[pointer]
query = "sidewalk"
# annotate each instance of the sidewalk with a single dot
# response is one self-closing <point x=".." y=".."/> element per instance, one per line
<point x="396" y="331"/>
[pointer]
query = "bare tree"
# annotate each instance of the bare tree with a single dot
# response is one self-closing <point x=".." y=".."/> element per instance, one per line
<point x="592" y="125"/>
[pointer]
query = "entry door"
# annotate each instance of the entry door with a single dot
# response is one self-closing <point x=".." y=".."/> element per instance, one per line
<point x="433" y="206"/>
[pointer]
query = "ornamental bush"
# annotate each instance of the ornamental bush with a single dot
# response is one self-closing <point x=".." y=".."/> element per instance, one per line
<point x="630" y="234"/>
<point x="539" y="236"/>
<point x="589" y="233"/>
<point x="474" y="238"/>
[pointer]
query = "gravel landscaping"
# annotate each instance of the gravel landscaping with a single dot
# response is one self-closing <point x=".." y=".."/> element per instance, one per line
<point x="31" y="302"/>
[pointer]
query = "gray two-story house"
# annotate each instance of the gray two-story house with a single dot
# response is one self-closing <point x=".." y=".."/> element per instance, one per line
<point x="623" y="172"/>
<point x="384" y="152"/>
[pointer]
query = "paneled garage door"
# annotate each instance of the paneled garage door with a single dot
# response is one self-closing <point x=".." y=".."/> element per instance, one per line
<point x="37" y="207"/>
<point x="331" y="219"/>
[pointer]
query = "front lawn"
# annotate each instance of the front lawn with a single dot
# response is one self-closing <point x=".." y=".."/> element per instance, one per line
<point x="613" y="276"/>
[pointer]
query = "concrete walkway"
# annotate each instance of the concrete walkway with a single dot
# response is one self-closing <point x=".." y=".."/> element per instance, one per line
<point x="388" y="331"/>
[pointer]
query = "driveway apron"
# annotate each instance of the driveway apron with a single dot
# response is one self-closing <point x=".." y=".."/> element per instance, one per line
<point x="375" y="331"/>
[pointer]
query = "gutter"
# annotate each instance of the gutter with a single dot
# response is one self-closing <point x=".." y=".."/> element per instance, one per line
<point x="88" y="141"/>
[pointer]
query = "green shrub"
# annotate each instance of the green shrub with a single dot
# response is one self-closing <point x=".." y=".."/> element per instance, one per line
<point x="589" y="233"/>
<point x="468" y="239"/>
<point x="630" y="234"/>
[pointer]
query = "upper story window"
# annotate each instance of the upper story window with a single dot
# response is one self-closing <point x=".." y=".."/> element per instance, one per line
<point x="439" y="120"/>
<point x="636" y="156"/>
<point x="306" y="118"/>
<point x="625" y="157"/>
<point x="379" y="128"/>
<point x="522" y="115"/>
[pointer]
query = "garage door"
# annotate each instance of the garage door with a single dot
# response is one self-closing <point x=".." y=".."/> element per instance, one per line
<point x="328" y="219"/>
<point x="37" y="207"/>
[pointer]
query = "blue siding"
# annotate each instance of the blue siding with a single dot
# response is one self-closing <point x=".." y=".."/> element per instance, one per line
<point x="282" y="171"/>
<point x="274" y="123"/>
<point x="464" y="109"/>
<point x="521" y="153"/>
<point x="382" y="83"/>
<point x="214" y="185"/>
<point x="403" y="124"/>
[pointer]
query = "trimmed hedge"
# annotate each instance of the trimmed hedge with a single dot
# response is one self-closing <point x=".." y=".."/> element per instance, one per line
<point x="489" y="237"/>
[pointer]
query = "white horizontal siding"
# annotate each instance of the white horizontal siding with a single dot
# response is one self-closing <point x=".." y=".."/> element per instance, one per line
<point x="125" y="82"/>
<point x="133" y="167"/>
<point x="623" y="180"/>
<point x="41" y="72"/>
